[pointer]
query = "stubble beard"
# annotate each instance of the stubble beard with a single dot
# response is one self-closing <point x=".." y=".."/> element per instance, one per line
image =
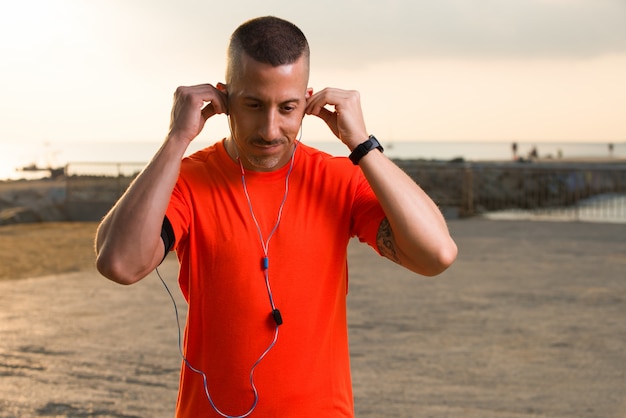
<point x="264" y="163"/>
<point x="270" y="162"/>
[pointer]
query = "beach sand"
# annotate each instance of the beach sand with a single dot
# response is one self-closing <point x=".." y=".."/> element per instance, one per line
<point x="529" y="322"/>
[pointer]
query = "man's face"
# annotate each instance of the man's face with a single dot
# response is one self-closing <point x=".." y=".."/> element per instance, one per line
<point x="266" y="105"/>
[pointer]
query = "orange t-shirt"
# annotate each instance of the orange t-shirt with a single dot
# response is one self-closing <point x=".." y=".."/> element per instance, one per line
<point x="229" y="323"/>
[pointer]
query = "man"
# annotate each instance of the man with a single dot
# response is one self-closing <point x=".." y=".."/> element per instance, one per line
<point x="261" y="224"/>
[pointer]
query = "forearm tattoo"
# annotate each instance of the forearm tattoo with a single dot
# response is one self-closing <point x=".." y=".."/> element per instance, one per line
<point x="385" y="241"/>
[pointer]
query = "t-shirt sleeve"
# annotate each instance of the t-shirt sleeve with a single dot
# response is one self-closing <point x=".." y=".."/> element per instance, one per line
<point x="367" y="214"/>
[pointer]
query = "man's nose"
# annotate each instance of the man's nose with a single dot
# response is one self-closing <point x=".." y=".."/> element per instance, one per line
<point x="271" y="126"/>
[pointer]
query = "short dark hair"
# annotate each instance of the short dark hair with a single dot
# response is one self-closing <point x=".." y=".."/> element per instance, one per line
<point x="270" y="40"/>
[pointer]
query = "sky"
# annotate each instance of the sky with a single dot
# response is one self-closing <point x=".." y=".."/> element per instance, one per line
<point x="453" y="70"/>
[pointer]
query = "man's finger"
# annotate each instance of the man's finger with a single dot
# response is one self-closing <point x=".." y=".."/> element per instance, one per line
<point x="327" y="115"/>
<point x="330" y="118"/>
<point x="208" y="111"/>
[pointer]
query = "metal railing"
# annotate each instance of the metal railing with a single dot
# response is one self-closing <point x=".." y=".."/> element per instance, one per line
<point x="569" y="191"/>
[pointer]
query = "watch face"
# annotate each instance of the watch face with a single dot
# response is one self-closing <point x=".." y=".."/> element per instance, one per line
<point x="376" y="143"/>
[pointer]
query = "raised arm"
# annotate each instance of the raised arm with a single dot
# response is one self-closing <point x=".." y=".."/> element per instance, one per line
<point x="128" y="240"/>
<point x="414" y="233"/>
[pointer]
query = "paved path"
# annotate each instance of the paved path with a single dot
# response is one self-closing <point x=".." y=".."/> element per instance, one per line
<point x="529" y="322"/>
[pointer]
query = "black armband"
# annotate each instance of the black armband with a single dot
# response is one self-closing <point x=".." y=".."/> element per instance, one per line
<point x="167" y="235"/>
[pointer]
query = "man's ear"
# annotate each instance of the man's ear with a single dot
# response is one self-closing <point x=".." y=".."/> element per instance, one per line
<point x="223" y="88"/>
<point x="309" y="93"/>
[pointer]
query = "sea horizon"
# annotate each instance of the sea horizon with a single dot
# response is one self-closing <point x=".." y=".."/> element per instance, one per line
<point x="17" y="156"/>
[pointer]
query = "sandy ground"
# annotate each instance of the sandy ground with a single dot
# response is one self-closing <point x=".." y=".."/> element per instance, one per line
<point x="529" y="322"/>
<point x="38" y="249"/>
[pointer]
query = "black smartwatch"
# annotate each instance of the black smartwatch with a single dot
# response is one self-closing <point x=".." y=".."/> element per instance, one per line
<point x="362" y="150"/>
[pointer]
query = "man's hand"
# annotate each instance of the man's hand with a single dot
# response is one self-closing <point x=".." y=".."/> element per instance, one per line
<point x="193" y="106"/>
<point x="346" y="121"/>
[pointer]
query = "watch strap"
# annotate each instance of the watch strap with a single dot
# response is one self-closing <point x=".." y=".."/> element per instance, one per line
<point x="363" y="148"/>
